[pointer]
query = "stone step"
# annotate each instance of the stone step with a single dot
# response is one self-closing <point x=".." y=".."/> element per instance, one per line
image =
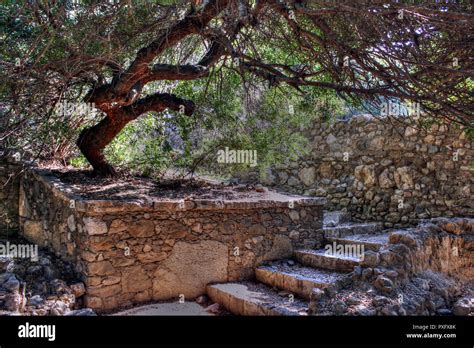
<point x="248" y="298"/>
<point x="334" y="218"/>
<point x="296" y="278"/>
<point x="320" y="259"/>
<point x="349" y="229"/>
<point x="369" y="241"/>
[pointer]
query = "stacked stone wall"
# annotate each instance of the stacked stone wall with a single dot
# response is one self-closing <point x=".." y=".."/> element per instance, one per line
<point x="383" y="170"/>
<point x="129" y="252"/>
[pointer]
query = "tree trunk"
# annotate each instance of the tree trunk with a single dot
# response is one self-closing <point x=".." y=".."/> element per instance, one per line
<point x="93" y="140"/>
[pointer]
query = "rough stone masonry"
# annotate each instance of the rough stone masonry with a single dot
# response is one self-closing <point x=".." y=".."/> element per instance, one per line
<point x="383" y="170"/>
<point x="129" y="252"/>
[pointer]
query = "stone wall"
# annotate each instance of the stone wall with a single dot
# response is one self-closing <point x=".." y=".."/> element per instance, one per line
<point x="384" y="171"/>
<point x="427" y="270"/>
<point x="136" y="251"/>
<point x="9" y="185"/>
<point x="440" y="245"/>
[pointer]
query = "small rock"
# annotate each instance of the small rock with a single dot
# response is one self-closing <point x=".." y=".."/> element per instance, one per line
<point x="463" y="307"/>
<point x="12" y="302"/>
<point x="307" y="175"/>
<point x="314" y="298"/>
<point x="94" y="226"/>
<point x="313" y="307"/>
<point x="330" y="291"/>
<point x="202" y="299"/>
<point x="86" y="312"/>
<point x="69" y="299"/>
<point x="378" y="271"/>
<point x="316" y="294"/>
<point x="78" y="289"/>
<point x="45" y="261"/>
<point x="364" y="311"/>
<point x="12" y="284"/>
<point x="380" y="301"/>
<point x="408" y="240"/>
<point x="59" y="308"/>
<point x="383" y="284"/>
<point x="60" y="287"/>
<point x="390" y="310"/>
<point x="5" y="276"/>
<point x="41" y="311"/>
<point x="35" y="270"/>
<point x="389" y="257"/>
<point x="48" y="273"/>
<point x="5" y="263"/>
<point x="339" y="307"/>
<point x="35" y="301"/>
<point x="367" y="273"/>
<point x="214" y="308"/>
<point x="402" y="311"/>
<point x="430" y="305"/>
<point x="424" y="284"/>
<point x="444" y="311"/>
<point x="351" y="301"/>
<point x="294" y="234"/>
<point x="391" y="274"/>
<point x="371" y="258"/>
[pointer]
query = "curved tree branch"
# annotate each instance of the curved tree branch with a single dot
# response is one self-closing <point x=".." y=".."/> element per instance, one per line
<point x="193" y="23"/>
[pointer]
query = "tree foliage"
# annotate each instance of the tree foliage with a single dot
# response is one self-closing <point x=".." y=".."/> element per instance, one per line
<point x="211" y="69"/>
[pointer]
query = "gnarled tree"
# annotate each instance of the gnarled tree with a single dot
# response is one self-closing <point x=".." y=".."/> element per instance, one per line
<point x="419" y="52"/>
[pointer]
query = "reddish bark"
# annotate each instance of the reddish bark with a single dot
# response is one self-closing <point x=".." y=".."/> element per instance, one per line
<point x="120" y="99"/>
<point x="93" y="140"/>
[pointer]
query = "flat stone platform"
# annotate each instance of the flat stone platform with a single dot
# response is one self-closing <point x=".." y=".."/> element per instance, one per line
<point x="161" y="246"/>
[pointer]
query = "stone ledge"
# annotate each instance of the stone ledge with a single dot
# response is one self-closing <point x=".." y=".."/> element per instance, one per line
<point x="117" y="206"/>
<point x="274" y="200"/>
<point x="137" y="249"/>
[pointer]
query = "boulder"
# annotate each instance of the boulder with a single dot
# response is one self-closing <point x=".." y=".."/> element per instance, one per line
<point x="189" y="268"/>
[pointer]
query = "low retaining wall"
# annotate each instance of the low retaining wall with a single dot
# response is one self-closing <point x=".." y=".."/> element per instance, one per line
<point x="136" y="251"/>
<point x="382" y="170"/>
<point x="440" y="245"/>
<point x="427" y="270"/>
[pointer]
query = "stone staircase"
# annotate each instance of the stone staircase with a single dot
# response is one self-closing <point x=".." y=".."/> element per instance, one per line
<point x="283" y="287"/>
